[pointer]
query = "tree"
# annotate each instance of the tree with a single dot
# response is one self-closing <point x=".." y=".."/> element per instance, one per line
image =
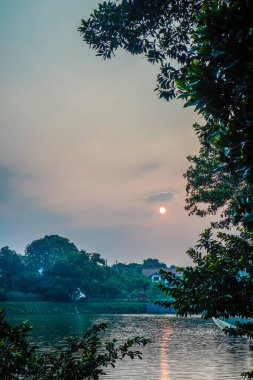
<point x="12" y="269"/>
<point x="218" y="82"/>
<point x="212" y="188"/>
<point x="67" y="272"/>
<point x="72" y="270"/>
<point x="42" y="253"/>
<point x="153" y="263"/>
<point x="83" y="358"/>
<point x="213" y="51"/>
<point x="96" y="259"/>
<point x="129" y="269"/>
<point x="200" y="46"/>
<point x="159" y="29"/>
<point x="219" y="285"/>
<point x="221" y="282"/>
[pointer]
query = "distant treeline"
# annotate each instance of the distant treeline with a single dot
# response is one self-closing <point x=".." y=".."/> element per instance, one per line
<point x="53" y="269"/>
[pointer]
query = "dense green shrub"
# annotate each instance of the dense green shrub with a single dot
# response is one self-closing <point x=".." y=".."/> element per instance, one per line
<point x="83" y="358"/>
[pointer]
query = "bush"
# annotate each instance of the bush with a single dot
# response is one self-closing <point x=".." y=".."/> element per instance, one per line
<point x="84" y="358"/>
<point x="23" y="297"/>
<point x="3" y="296"/>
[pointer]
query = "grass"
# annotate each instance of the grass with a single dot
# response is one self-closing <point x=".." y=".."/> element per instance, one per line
<point x="32" y="308"/>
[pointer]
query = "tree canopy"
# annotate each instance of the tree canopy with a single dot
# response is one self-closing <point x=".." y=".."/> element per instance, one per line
<point x="153" y="263"/>
<point x="53" y="269"/>
<point x="205" y="52"/>
<point x="159" y="29"/>
<point x="43" y="252"/>
<point x="200" y="47"/>
<point x="11" y="268"/>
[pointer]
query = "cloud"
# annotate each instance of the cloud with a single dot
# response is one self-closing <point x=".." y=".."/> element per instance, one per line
<point x="164" y="196"/>
<point x="149" y="166"/>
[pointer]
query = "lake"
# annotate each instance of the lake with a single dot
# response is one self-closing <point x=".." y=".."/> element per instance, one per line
<point x="181" y="348"/>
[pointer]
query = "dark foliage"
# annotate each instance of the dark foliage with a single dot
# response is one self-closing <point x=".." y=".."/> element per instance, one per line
<point x="204" y="49"/>
<point x="53" y="269"/>
<point x="211" y="187"/>
<point x="221" y="282"/>
<point x="84" y="358"/>
<point x="205" y="52"/>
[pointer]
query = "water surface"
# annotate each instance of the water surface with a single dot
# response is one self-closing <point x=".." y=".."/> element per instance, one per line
<point x="181" y="348"/>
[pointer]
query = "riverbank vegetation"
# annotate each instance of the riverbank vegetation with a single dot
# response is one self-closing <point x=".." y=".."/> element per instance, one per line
<point x="54" y="270"/>
<point x="40" y="308"/>
<point x="83" y="358"/>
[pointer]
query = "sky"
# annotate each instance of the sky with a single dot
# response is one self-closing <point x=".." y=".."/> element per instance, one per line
<point x="87" y="150"/>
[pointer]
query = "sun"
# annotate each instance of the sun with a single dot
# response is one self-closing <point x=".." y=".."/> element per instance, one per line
<point x="162" y="210"/>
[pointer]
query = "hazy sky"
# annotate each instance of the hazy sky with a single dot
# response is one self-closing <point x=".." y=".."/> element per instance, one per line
<point x="88" y="151"/>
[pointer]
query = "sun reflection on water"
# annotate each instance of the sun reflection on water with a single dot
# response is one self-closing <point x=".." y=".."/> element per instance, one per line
<point x="164" y="351"/>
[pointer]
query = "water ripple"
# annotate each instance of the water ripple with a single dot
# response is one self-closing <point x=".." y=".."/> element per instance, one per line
<point x="181" y="349"/>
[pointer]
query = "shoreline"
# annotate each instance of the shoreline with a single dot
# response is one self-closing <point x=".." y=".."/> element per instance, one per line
<point x="12" y="308"/>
